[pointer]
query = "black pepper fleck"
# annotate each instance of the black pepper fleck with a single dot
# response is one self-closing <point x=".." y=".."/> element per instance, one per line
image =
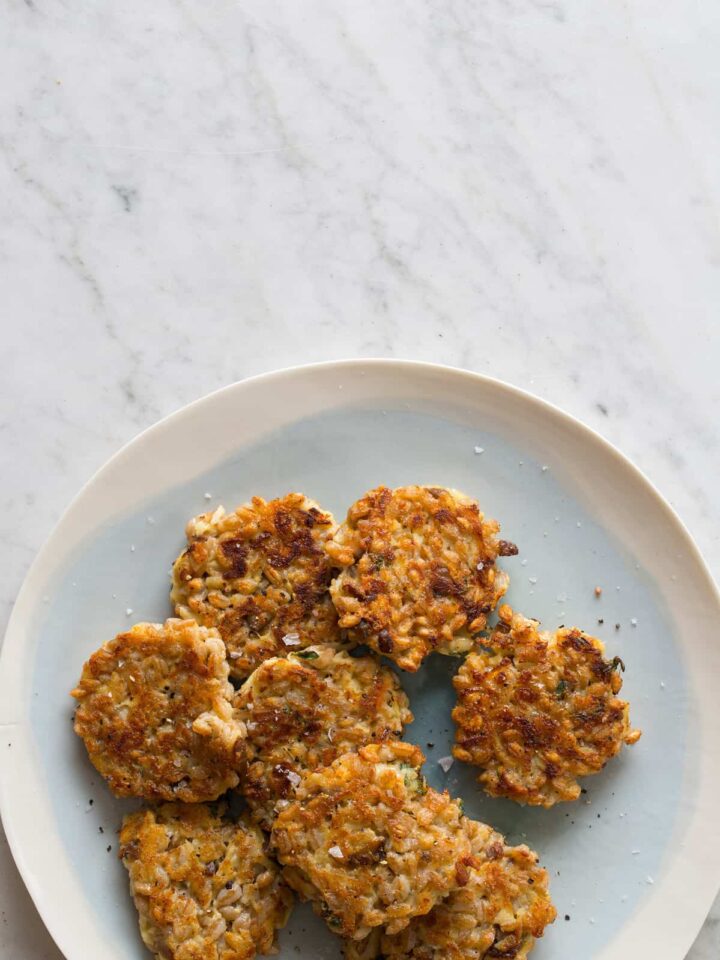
<point x="567" y="916"/>
<point x="109" y="848"/>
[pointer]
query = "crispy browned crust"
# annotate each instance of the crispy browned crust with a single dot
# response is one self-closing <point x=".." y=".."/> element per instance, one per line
<point x="537" y="710"/>
<point x="155" y="712"/>
<point x="499" y="911"/>
<point x="368" y="842"/>
<point x="305" y="710"/>
<point x="418" y="573"/>
<point x="204" y="887"/>
<point x="258" y="575"/>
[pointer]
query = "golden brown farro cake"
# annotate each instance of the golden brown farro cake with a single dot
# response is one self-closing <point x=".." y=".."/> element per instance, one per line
<point x="369" y="843"/>
<point x="260" y="575"/>
<point x="304" y="710"/>
<point x="418" y="573"/>
<point x="535" y="711"/>
<point x="155" y="711"/>
<point x="498" y="910"/>
<point x="203" y="885"/>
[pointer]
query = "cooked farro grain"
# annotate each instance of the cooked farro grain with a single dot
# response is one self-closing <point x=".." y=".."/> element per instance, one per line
<point x="536" y="711"/>
<point x="419" y="572"/>
<point x="261" y="576"/>
<point x="155" y="712"/>
<point x="369" y="843"/>
<point x="204" y="887"/>
<point x="304" y="710"/>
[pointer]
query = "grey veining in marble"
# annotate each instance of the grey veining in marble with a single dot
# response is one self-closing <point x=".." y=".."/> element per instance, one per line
<point x="195" y="192"/>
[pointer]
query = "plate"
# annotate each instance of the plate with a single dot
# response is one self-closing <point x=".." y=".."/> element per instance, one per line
<point x="633" y="864"/>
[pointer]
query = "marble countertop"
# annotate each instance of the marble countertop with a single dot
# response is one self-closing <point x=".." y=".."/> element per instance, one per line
<point x="194" y="192"/>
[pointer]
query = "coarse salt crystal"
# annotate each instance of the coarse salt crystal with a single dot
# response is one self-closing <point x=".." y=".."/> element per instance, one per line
<point x="532" y="579"/>
<point x="662" y="684"/>
<point x="634" y="852"/>
<point x="128" y="611"/>
<point x="293" y="777"/>
<point x="523" y="562"/>
<point x="480" y="566"/>
<point x="208" y="496"/>
<point x="132" y="548"/>
<point x="336" y="852"/>
<point x="291" y="639"/>
<point x="151" y="520"/>
<point x="544" y="468"/>
<point x="445" y="763"/>
<point x="235" y="655"/>
<point x="633" y="621"/>
<point x="479" y="449"/>
<point x="650" y="880"/>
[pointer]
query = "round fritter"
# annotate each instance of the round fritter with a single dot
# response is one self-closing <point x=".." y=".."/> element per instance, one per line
<point x="369" y="843"/>
<point x="155" y="712"/>
<point x="305" y="710"/>
<point x="204" y="886"/>
<point x="418" y="572"/>
<point x="261" y="576"/>
<point x="499" y="908"/>
<point x="538" y="710"/>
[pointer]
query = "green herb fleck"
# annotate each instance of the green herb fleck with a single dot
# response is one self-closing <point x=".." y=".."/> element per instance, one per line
<point x="307" y="655"/>
<point x="561" y="690"/>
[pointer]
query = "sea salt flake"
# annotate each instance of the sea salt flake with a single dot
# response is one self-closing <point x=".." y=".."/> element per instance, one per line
<point x="532" y="579"/>
<point x="208" y="496"/>
<point x="633" y="621"/>
<point x="544" y="468"/>
<point x="445" y="763"/>
<point x="479" y="449"/>
<point x="293" y="777"/>
<point x="336" y="852"/>
<point x="128" y="611"/>
<point x="650" y="880"/>
<point x="291" y="639"/>
<point x="235" y="655"/>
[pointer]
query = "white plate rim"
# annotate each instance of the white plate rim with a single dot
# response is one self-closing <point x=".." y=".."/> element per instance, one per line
<point x="695" y="908"/>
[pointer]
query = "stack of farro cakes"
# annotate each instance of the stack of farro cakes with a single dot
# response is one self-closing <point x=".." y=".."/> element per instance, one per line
<point x="270" y="684"/>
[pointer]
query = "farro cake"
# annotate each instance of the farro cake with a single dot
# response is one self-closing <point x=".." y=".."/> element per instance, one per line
<point x="204" y="886"/>
<point x="304" y="710"/>
<point x="369" y="843"/>
<point x="260" y="575"/>
<point x="418" y="572"/>
<point x="155" y="712"/>
<point x="536" y="710"/>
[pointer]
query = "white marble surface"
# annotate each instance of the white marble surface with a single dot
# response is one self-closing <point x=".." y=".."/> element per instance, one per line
<point x="193" y="192"/>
